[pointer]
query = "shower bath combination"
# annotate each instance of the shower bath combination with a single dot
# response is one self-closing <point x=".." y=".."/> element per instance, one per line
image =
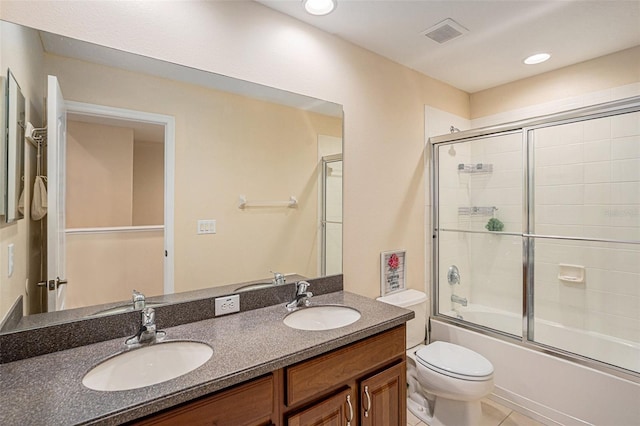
<point x="555" y="194"/>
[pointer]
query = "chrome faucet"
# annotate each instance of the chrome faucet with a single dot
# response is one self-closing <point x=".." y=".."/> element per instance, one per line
<point x="303" y="297"/>
<point x="457" y="299"/>
<point x="278" y="278"/>
<point x="147" y="332"/>
<point x="138" y="300"/>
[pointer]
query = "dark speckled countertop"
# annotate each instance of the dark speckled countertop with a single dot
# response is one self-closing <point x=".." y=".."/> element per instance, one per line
<point x="48" y="390"/>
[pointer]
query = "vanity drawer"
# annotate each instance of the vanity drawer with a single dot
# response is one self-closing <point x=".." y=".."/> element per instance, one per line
<point x="247" y="404"/>
<point x="313" y="377"/>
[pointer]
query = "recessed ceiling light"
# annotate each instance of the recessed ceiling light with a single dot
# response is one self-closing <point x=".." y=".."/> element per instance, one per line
<point x="319" y="7"/>
<point x="537" y="58"/>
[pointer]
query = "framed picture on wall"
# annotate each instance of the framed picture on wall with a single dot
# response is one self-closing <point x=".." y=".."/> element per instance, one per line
<point x="392" y="271"/>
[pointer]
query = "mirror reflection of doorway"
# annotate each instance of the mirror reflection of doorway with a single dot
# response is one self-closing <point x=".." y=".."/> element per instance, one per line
<point x="331" y="262"/>
<point x="115" y="209"/>
<point x="107" y="231"/>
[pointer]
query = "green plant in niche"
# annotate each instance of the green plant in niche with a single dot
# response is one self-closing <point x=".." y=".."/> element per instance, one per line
<point x="494" y="225"/>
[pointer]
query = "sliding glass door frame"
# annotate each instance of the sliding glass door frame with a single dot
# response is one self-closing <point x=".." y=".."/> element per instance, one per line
<point x="529" y="237"/>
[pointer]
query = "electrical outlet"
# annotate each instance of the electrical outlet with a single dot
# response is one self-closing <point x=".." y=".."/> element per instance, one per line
<point x="227" y="305"/>
<point x="206" y="226"/>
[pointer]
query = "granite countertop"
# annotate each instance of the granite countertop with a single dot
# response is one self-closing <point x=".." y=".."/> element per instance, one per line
<point x="48" y="389"/>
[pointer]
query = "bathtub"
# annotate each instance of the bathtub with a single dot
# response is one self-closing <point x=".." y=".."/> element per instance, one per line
<point x="612" y="350"/>
<point x="548" y="388"/>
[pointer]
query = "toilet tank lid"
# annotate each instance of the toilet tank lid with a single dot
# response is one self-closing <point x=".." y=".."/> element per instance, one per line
<point x="404" y="298"/>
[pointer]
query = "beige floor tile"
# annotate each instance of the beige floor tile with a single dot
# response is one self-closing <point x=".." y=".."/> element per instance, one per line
<point x="518" y="419"/>
<point x="412" y="420"/>
<point x="493" y="413"/>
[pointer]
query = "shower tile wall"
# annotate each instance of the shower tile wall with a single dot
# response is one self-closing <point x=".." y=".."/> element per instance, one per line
<point x="587" y="178"/>
<point x="490" y="264"/>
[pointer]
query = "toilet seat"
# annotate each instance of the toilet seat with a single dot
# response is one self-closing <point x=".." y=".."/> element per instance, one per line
<point x="455" y="361"/>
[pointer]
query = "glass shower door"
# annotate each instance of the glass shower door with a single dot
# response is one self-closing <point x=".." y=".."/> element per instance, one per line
<point x="331" y="257"/>
<point x="478" y="230"/>
<point x="586" y="238"/>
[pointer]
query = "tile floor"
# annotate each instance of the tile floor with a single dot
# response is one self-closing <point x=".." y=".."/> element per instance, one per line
<point x="493" y="414"/>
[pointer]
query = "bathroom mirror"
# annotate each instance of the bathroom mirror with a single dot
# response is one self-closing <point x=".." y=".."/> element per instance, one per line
<point x="3" y="145"/>
<point x="233" y="140"/>
<point x="13" y="185"/>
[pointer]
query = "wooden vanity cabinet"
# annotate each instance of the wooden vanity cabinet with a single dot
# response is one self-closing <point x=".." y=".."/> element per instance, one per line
<point x="361" y="384"/>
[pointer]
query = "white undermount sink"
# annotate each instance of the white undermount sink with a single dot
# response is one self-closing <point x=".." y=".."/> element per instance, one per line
<point x="147" y="365"/>
<point x="322" y="317"/>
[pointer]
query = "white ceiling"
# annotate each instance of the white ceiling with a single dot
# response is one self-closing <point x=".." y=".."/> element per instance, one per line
<point x="501" y="34"/>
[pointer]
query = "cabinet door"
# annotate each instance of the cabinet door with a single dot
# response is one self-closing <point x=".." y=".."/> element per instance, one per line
<point x="337" y="410"/>
<point x="383" y="398"/>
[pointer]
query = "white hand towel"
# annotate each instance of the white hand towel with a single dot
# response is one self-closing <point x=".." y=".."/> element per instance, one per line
<point x="39" y="201"/>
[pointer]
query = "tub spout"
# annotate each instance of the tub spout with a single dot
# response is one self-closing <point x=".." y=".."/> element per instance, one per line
<point x="458" y="299"/>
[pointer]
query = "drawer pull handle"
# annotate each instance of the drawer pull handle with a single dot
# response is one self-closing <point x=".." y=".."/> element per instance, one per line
<point x="366" y="393"/>
<point x="350" y="419"/>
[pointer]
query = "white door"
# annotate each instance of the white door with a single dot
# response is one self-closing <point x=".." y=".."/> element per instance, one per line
<point x="56" y="155"/>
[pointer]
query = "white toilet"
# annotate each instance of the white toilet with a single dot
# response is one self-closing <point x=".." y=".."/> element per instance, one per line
<point x="445" y="381"/>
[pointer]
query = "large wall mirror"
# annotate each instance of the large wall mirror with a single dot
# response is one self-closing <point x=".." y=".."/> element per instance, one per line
<point x="177" y="180"/>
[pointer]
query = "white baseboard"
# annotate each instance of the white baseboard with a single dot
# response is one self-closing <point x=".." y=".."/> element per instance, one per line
<point x="541" y="413"/>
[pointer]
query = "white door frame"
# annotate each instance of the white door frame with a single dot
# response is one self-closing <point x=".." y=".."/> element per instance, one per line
<point x="56" y="278"/>
<point x="168" y="122"/>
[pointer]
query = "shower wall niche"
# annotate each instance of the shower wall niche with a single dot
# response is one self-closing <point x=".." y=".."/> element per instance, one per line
<point x="542" y="220"/>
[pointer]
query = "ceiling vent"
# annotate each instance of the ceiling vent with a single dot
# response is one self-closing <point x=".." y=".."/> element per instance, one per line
<point x="445" y="31"/>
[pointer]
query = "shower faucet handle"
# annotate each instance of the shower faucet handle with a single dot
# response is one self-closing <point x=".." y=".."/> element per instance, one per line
<point x="453" y="275"/>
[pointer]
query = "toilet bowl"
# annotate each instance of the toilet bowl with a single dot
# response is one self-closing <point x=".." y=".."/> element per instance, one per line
<point x="445" y="381"/>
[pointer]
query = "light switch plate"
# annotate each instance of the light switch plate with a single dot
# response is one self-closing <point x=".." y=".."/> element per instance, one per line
<point x="207" y="226"/>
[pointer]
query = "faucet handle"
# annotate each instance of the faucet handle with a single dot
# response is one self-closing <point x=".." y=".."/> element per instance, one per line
<point x="302" y="286"/>
<point x="278" y="278"/>
<point x="148" y="317"/>
<point x="138" y="300"/>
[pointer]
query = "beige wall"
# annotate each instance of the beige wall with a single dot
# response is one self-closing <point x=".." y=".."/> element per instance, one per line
<point x="148" y="183"/>
<point x="607" y="72"/>
<point x="99" y="175"/>
<point x="16" y="46"/>
<point x="112" y="179"/>
<point x="383" y="102"/>
<point x="107" y="267"/>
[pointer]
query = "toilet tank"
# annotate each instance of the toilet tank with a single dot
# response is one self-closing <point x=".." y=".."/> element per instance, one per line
<point x="417" y="302"/>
